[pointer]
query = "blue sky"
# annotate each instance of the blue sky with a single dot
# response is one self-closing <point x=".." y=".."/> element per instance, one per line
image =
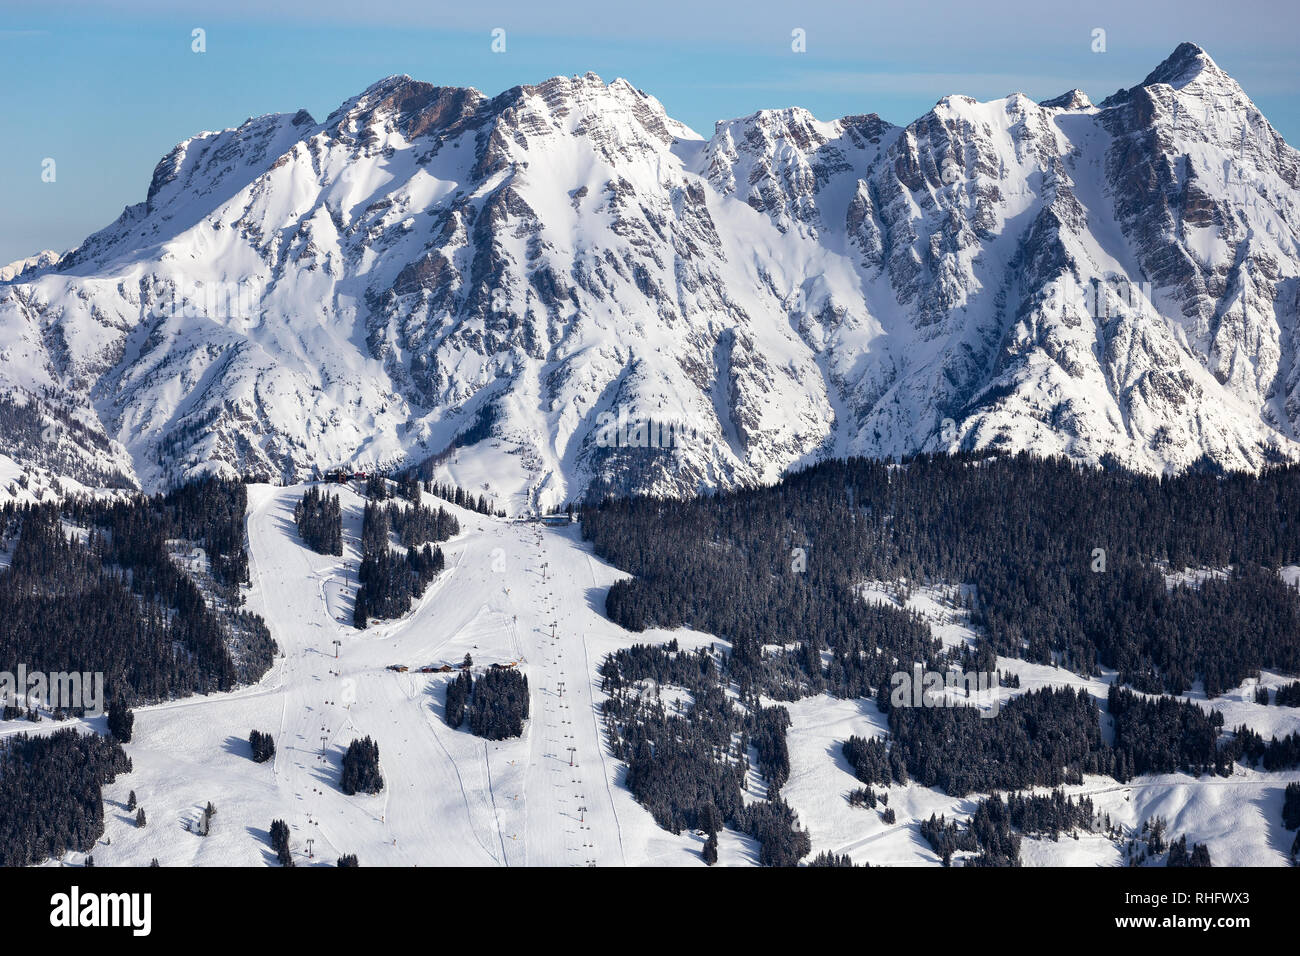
<point x="106" y="88"/>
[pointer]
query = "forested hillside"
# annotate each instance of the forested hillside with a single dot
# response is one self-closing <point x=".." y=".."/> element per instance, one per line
<point x="94" y="586"/>
<point x="1067" y="560"/>
<point x="1069" y="567"/>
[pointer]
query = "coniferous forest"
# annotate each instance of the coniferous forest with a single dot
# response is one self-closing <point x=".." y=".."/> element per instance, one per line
<point x="279" y="833"/>
<point x="51" y="798"/>
<point x="419" y="525"/>
<point x="361" y="768"/>
<point x="389" y="581"/>
<point x="410" y="485"/>
<point x="319" y="517"/>
<point x="109" y="596"/>
<point x="498" y="703"/>
<point x="1291" y="806"/>
<point x="688" y="762"/>
<point x="99" y="585"/>
<point x="1067" y="560"/>
<point x="462" y="498"/>
<point x="1069" y="566"/>
<point x="262" y="745"/>
<point x="459" y="689"/>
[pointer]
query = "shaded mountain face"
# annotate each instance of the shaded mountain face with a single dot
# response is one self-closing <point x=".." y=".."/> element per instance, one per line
<point x="562" y="289"/>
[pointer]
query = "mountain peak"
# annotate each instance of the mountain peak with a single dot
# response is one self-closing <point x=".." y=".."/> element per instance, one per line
<point x="584" y="86"/>
<point x="1073" y="100"/>
<point x="414" y="106"/>
<point x="1185" y="64"/>
<point x="22" y="268"/>
<point x="387" y="84"/>
<point x="511" y="268"/>
<point x="1189" y="68"/>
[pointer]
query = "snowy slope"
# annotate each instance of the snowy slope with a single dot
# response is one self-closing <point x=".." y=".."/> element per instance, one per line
<point x="42" y="260"/>
<point x="433" y="274"/>
<point x="450" y="798"/>
<point x="1239" y="818"/>
<point x="454" y="799"/>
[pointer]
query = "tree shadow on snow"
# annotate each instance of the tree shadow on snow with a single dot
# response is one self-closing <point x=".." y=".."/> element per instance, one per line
<point x="263" y="840"/>
<point x="596" y="600"/>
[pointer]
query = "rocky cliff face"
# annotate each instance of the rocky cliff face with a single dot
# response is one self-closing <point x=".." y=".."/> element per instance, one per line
<point x="562" y="288"/>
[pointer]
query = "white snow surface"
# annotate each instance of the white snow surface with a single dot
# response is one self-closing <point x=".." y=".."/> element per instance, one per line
<point x="1238" y="818"/>
<point x="296" y="294"/>
<point x="451" y="798"/>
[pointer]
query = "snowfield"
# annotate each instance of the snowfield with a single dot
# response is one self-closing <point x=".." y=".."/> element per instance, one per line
<point x="433" y="272"/>
<point x="450" y="798"/>
<point x="517" y="592"/>
<point x="1238" y="818"/>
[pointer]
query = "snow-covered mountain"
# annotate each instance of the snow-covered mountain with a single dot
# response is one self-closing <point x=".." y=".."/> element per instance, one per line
<point x="41" y="260"/>
<point x="485" y="283"/>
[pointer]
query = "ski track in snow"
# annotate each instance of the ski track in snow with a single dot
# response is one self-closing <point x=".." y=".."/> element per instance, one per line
<point x="451" y="798"/>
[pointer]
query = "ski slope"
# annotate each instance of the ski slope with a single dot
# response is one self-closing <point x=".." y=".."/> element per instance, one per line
<point x="450" y="798"/>
<point x="517" y="592"/>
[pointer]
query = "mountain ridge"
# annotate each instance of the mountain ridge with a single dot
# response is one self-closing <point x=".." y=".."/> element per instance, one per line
<point x="432" y="275"/>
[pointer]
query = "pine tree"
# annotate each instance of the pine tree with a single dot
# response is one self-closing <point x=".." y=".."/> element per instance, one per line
<point x="120" y="720"/>
<point x="279" y="833"/>
<point x="361" y="768"/>
<point x="262" y="744"/>
<point x="710" y="851"/>
<point x="1291" y="806"/>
